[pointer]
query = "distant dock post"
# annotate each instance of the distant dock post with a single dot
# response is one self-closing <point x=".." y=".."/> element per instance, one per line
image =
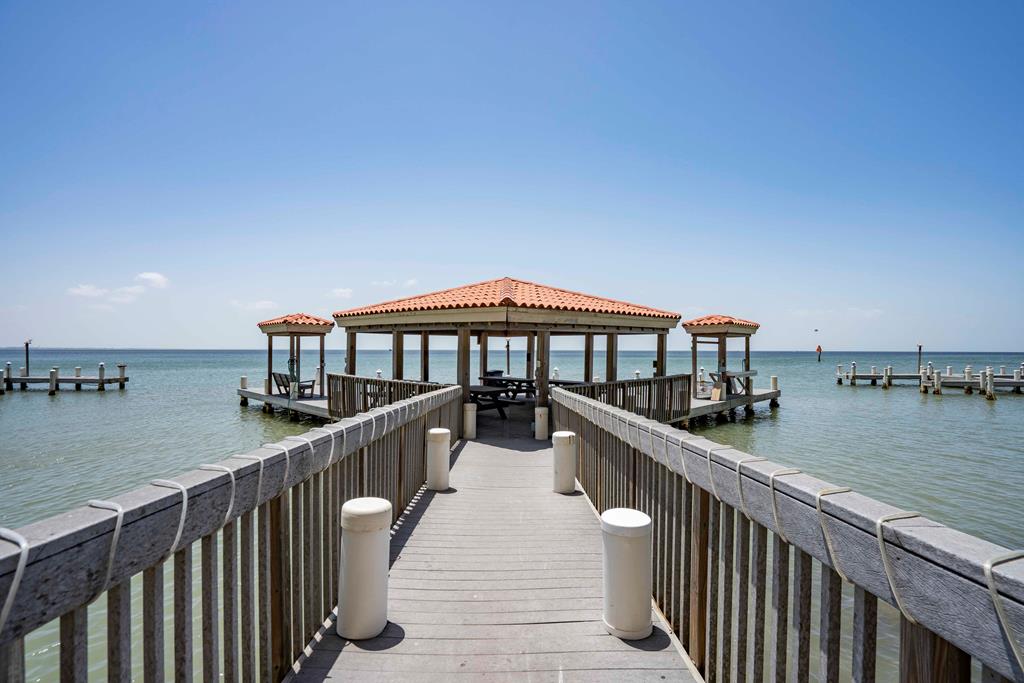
<point x="924" y="380"/>
<point x="102" y="371"/>
<point x="78" y="373"/>
<point x="853" y="374"/>
<point x="1017" y="378"/>
<point x="774" y="385"/>
<point x="53" y="382"/>
<point x="56" y="374"/>
<point x="23" y="373"/>
<point x="839" y="373"/>
<point x="874" y="381"/>
<point x="937" y="383"/>
<point x="990" y="389"/>
<point x="243" y="383"/>
<point x="7" y="378"/>
<point x="120" y="374"/>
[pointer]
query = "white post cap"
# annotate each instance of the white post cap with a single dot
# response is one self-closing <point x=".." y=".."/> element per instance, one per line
<point x="439" y="434"/>
<point x="563" y="436"/>
<point x="625" y="522"/>
<point x="366" y="514"/>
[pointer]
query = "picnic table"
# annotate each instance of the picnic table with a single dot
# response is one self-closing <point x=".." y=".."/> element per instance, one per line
<point x="513" y="386"/>
<point x="491" y="398"/>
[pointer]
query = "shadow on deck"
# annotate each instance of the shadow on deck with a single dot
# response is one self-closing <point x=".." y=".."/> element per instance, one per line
<point x="498" y="578"/>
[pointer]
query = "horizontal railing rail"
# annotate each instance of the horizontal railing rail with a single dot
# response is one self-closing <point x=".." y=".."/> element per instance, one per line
<point x="269" y="518"/>
<point x="351" y="394"/>
<point x="665" y="399"/>
<point x="713" y="508"/>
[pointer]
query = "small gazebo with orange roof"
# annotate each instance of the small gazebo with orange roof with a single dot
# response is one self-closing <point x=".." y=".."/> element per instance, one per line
<point x="295" y="326"/>
<point x="717" y="329"/>
<point x="506" y="307"/>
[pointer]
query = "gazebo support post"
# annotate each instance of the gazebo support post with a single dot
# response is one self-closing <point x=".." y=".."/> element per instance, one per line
<point x="662" y="355"/>
<point x="693" y="365"/>
<point x="462" y="365"/>
<point x="424" y="356"/>
<point x="323" y="371"/>
<point x="350" y="353"/>
<point x="543" y="367"/>
<point x="397" y="355"/>
<point x="611" y="357"/>
<point x="530" y="355"/>
<point x="588" y="357"/>
<point x="483" y="354"/>
<point x="298" y="357"/>
<point x="270" y="365"/>
<point x="722" y="366"/>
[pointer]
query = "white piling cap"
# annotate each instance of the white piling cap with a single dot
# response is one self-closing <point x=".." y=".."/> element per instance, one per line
<point x="366" y="514"/>
<point x="625" y="522"/>
<point x="558" y="437"/>
<point x="439" y="434"/>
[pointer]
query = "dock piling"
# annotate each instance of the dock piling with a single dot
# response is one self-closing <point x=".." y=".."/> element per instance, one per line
<point x="7" y="378"/>
<point x="243" y="383"/>
<point x="78" y="373"/>
<point x="23" y="373"/>
<point x="937" y="383"/>
<point x="120" y="375"/>
<point x="102" y="371"/>
<point x="874" y="381"/>
<point x="1017" y="378"/>
<point x="853" y="374"/>
<point x="53" y="381"/>
<point x="924" y="380"/>
<point x="990" y="393"/>
<point x="56" y="372"/>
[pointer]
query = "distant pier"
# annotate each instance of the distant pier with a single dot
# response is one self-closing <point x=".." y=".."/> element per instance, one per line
<point x="53" y="379"/>
<point x="984" y="381"/>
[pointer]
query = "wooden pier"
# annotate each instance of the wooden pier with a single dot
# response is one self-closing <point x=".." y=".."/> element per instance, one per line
<point x="498" y="576"/>
<point x="930" y="379"/>
<point x="53" y="380"/>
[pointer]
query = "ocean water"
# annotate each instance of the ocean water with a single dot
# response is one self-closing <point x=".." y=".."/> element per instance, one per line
<point x="957" y="459"/>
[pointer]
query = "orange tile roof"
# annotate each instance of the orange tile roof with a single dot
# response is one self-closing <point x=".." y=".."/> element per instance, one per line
<point x="296" y="319"/>
<point x="720" y="320"/>
<point x="508" y="291"/>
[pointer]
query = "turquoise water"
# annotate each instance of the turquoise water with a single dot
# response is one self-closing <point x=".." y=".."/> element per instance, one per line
<point x="956" y="458"/>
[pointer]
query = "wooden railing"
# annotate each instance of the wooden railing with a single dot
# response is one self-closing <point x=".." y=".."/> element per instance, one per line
<point x="351" y="394"/>
<point x="269" y="517"/>
<point x="713" y="510"/>
<point x="665" y="399"/>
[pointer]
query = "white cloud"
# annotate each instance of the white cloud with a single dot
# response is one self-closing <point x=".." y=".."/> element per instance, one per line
<point x="261" y="305"/>
<point x="91" y="291"/>
<point x="411" y="282"/>
<point x="126" y="295"/>
<point x="154" y="280"/>
<point x="342" y="293"/>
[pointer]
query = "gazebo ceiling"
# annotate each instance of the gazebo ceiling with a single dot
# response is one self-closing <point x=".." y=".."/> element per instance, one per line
<point x="509" y="304"/>
<point x="296" y="323"/>
<point x="717" y="325"/>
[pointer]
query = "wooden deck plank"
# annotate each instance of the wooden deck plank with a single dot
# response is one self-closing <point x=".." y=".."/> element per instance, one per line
<point x="499" y="579"/>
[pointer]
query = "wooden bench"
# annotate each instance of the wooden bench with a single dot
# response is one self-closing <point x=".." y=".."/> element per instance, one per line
<point x="284" y="385"/>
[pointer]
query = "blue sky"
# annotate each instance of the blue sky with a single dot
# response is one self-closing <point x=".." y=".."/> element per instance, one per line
<point x="170" y="173"/>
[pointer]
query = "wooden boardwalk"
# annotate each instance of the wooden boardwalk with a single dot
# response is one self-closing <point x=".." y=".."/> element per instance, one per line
<point x="498" y="578"/>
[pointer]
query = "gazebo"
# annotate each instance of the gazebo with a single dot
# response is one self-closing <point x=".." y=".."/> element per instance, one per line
<point x="717" y="329"/>
<point x="295" y="326"/>
<point x="506" y="307"/>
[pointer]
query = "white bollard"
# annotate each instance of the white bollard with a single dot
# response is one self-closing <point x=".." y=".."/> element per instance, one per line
<point x="439" y="442"/>
<point x="636" y="374"/>
<point x="243" y="383"/>
<point x="626" y="537"/>
<point x="365" y="549"/>
<point x="774" y="382"/>
<point x="564" y="462"/>
<point x="469" y="420"/>
<point x="540" y="424"/>
<point x="949" y="371"/>
<point x="554" y="373"/>
<point x="379" y="373"/>
<point x="1002" y="369"/>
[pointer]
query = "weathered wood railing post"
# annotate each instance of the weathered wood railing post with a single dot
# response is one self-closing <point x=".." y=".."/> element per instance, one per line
<point x="699" y="578"/>
<point x="927" y="658"/>
<point x="100" y="386"/>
